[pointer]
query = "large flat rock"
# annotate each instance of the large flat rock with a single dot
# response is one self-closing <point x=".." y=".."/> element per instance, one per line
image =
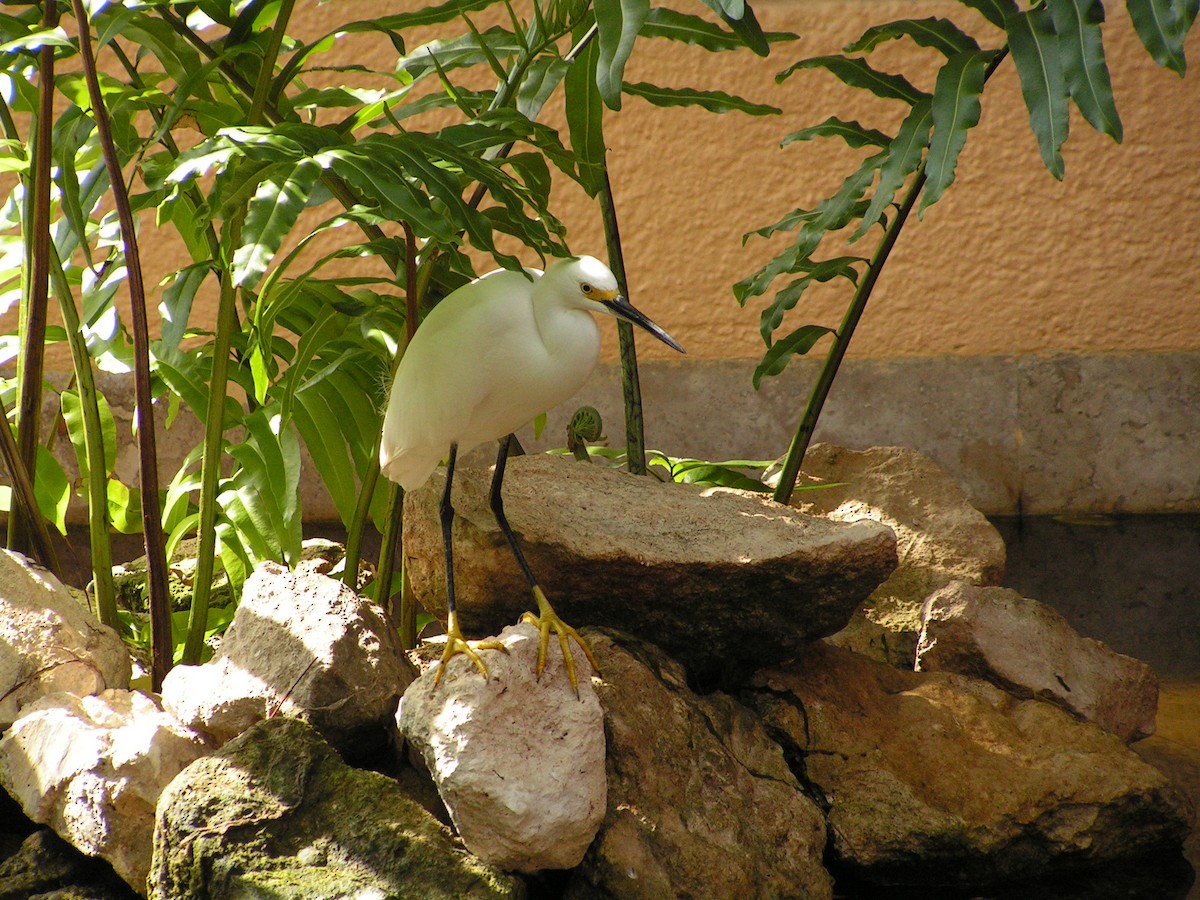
<point x="722" y="580"/>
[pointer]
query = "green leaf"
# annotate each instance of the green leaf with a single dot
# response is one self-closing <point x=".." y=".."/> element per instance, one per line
<point x="1162" y="25"/>
<point x="276" y="205"/>
<point x="940" y="34"/>
<point x="689" y="29"/>
<point x="818" y="273"/>
<point x="51" y="488"/>
<point x="799" y="342"/>
<point x="124" y="507"/>
<point x="72" y="411"/>
<point x="852" y="133"/>
<point x="617" y="24"/>
<point x="903" y="157"/>
<point x="956" y="109"/>
<point x="175" y="308"/>
<point x="542" y="78"/>
<point x="738" y="15"/>
<point x="585" y="118"/>
<point x="1034" y="46"/>
<point x="858" y="74"/>
<point x="995" y="11"/>
<point x="1077" y="23"/>
<point x="321" y="430"/>
<point x="713" y="101"/>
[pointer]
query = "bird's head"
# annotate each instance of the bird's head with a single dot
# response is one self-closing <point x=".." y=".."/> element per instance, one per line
<point x="586" y="283"/>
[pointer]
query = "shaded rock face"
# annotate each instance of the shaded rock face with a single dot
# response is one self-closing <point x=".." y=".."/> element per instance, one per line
<point x="724" y="581"/>
<point x="518" y="761"/>
<point x="1029" y="650"/>
<point x="49" y="642"/>
<point x="93" y="769"/>
<point x="936" y="778"/>
<point x="301" y="644"/>
<point x="940" y="537"/>
<point x="700" y="800"/>
<point x="47" y="867"/>
<point x="277" y="813"/>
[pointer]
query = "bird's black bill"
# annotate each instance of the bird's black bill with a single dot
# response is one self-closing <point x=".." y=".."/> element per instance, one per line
<point x="623" y="309"/>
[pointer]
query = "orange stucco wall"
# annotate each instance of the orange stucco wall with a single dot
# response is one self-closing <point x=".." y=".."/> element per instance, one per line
<point x="1010" y="261"/>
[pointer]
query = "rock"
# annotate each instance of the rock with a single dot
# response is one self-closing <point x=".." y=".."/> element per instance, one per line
<point x="1029" y="650"/>
<point x="92" y="768"/>
<point x="276" y="813"/>
<point x="700" y="800"/>
<point x="518" y="761"/>
<point x="940" y="537"/>
<point x="48" y="868"/>
<point x="934" y="778"/>
<point x="722" y="580"/>
<point x="301" y="644"/>
<point x="48" y="642"/>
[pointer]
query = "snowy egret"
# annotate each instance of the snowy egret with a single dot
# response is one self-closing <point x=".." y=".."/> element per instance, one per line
<point x="489" y="358"/>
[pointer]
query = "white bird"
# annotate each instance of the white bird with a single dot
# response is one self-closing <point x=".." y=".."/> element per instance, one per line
<point x="487" y="360"/>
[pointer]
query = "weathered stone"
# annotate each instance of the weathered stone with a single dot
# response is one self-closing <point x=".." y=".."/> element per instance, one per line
<point x="940" y="537"/>
<point x="92" y="768"/>
<point x="276" y="813"/>
<point x="300" y="644"/>
<point x="518" y="761"/>
<point x="937" y="778"/>
<point x="722" y="580"/>
<point x="1029" y="650"/>
<point x="49" y="642"/>
<point x="46" y="867"/>
<point x="700" y="800"/>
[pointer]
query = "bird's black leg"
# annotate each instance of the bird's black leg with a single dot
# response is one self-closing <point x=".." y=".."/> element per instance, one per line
<point x="455" y="642"/>
<point x="546" y="618"/>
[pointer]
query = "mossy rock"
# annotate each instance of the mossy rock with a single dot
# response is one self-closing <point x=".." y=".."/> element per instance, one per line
<point x="276" y="813"/>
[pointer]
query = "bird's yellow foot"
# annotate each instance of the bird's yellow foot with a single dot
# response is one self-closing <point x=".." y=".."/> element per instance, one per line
<point x="456" y="644"/>
<point x="548" y="619"/>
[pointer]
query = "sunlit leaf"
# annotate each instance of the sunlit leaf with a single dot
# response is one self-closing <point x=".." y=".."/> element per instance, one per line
<point x="51" y="489"/>
<point x="272" y="213"/>
<point x="73" y="416"/>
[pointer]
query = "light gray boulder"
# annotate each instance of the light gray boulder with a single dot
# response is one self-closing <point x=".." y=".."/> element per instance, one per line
<point x="701" y="802"/>
<point x="1029" y="650"/>
<point x="935" y="778"/>
<point x="518" y="761"/>
<point x="49" y="642"/>
<point x="276" y="813"/>
<point x="940" y="537"/>
<point x="301" y="644"/>
<point x="724" y="581"/>
<point x="93" y="767"/>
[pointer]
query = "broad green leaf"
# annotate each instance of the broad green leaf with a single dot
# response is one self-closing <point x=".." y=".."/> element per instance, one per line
<point x="617" y="26"/>
<point x="1034" y="46"/>
<point x="858" y="74"/>
<point x="852" y="133"/>
<point x="1162" y="25"/>
<point x="995" y="11"/>
<point x="903" y="157"/>
<point x="36" y="40"/>
<point x="72" y="411"/>
<point x="459" y="52"/>
<point x="585" y="118"/>
<point x="276" y="205"/>
<point x="713" y="101"/>
<point x="799" y="342"/>
<point x="1081" y="47"/>
<point x="689" y="29"/>
<point x="124" y="507"/>
<point x="541" y="80"/>
<point x="175" y="308"/>
<point x="940" y="34"/>
<point x="818" y="273"/>
<point x="321" y="431"/>
<point x="433" y="15"/>
<point x="51" y="489"/>
<point x="956" y="109"/>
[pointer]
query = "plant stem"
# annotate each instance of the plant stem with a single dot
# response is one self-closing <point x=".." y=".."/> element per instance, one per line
<point x="99" y="541"/>
<point x="36" y="297"/>
<point x="635" y="440"/>
<point x="156" y="558"/>
<point x="22" y="489"/>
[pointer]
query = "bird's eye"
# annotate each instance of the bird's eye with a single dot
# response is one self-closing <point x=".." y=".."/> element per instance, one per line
<point x="586" y="288"/>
